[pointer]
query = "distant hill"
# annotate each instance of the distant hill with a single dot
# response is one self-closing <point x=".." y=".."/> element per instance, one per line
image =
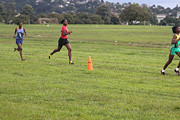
<point x="75" y="6"/>
<point x="59" y="6"/>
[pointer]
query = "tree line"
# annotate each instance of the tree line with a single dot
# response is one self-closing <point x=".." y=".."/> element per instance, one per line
<point x="132" y="14"/>
<point x="27" y="15"/>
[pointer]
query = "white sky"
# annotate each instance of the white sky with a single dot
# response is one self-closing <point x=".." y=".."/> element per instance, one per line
<point x="164" y="3"/>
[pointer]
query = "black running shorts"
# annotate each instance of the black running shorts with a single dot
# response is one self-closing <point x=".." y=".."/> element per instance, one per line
<point x="62" y="42"/>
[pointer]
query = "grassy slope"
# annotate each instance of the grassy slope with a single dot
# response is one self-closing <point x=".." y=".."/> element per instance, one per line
<point x="125" y="84"/>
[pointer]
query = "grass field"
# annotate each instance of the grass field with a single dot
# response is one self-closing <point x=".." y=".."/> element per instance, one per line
<point x="125" y="83"/>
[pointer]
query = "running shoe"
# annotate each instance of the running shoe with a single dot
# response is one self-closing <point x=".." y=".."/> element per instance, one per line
<point x="50" y="56"/>
<point x="71" y="63"/>
<point x="177" y="72"/>
<point x="163" y="73"/>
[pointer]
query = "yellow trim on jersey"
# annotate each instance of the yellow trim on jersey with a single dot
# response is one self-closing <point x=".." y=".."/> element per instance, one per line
<point x="177" y="36"/>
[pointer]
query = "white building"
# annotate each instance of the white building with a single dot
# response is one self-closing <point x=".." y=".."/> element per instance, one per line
<point x="178" y="14"/>
<point x="61" y="6"/>
<point x="39" y="1"/>
<point x="160" y="17"/>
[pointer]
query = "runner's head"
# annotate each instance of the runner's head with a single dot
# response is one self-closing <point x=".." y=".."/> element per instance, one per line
<point x="176" y="29"/>
<point x="20" y="23"/>
<point x="64" y="22"/>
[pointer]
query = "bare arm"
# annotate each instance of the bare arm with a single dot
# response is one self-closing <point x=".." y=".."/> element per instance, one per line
<point x="66" y="33"/>
<point x="15" y="33"/>
<point x="173" y="39"/>
<point x="24" y="32"/>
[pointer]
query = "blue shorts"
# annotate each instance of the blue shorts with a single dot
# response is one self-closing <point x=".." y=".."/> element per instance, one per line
<point x="19" y="41"/>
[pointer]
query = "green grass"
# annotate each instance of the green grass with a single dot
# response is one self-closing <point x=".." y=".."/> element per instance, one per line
<point x="125" y="83"/>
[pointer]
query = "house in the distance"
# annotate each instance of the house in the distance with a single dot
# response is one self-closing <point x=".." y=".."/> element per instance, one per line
<point x="178" y="14"/>
<point x="160" y="17"/>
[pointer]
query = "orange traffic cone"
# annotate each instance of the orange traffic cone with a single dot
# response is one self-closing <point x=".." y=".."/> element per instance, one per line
<point x="90" y="66"/>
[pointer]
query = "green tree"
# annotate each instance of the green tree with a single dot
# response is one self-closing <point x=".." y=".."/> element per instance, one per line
<point x="82" y="17"/>
<point x="105" y="13"/>
<point x="115" y="19"/>
<point x="153" y="19"/>
<point x="56" y="15"/>
<point x="163" y="22"/>
<point x="78" y="21"/>
<point x="43" y="7"/>
<point x="23" y="18"/>
<point x="96" y="19"/>
<point x="134" y="13"/>
<point x="42" y="15"/>
<point x="10" y="13"/>
<point x="69" y="17"/>
<point x="29" y="11"/>
<point x="1" y="18"/>
<point x="170" y="21"/>
<point x="2" y="13"/>
<point x="177" y="21"/>
<point x="88" y="21"/>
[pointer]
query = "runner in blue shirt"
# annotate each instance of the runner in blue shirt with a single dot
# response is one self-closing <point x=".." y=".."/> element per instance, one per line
<point x="18" y="34"/>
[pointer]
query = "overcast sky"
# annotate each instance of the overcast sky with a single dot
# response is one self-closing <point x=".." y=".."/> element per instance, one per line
<point x="164" y="3"/>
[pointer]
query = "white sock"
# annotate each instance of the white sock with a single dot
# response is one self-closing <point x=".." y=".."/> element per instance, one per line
<point x="163" y="70"/>
<point x="177" y="69"/>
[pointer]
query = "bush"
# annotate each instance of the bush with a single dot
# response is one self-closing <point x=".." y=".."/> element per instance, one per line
<point x="56" y="15"/>
<point x="42" y="15"/>
<point x="96" y="19"/>
<point x="1" y="18"/>
<point x="88" y="21"/>
<point x="69" y="17"/>
<point x="78" y="21"/>
<point x="24" y="18"/>
<point x="48" y="22"/>
<point x="115" y="19"/>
